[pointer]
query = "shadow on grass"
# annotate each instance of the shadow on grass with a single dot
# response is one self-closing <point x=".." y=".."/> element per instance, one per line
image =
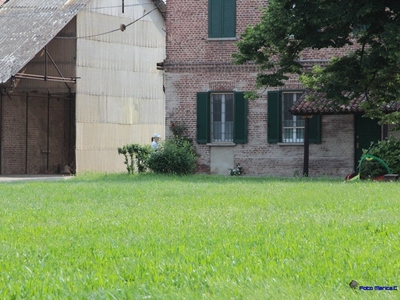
<point x="195" y="178"/>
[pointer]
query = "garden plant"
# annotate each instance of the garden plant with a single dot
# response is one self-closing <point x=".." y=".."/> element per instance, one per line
<point x="138" y="153"/>
<point x="387" y="150"/>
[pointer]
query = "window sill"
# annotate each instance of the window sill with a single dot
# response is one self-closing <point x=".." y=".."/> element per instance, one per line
<point x="222" y="39"/>
<point x="221" y="144"/>
<point x="290" y="144"/>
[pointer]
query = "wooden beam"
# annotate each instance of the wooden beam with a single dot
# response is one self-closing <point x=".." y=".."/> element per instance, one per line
<point x="45" y="78"/>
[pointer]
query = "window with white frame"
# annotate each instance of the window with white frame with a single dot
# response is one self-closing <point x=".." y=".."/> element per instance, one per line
<point x="293" y="126"/>
<point x="222" y="117"/>
<point x="282" y="126"/>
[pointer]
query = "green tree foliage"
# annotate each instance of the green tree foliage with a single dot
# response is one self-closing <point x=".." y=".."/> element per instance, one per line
<point x="288" y="27"/>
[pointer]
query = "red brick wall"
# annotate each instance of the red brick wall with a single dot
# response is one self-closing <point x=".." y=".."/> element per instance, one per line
<point x="187" y="34"/>
<point x="13" y="135"/>
<point x="187" y="31"/>
<point x="25" y="138"/>
<point x="196" y="64"/>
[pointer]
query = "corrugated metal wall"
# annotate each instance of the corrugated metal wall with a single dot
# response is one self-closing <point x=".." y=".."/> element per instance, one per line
<point x="120" y="96"/>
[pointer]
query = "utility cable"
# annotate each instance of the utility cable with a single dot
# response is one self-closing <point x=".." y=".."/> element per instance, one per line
<point x="122" y="28"/>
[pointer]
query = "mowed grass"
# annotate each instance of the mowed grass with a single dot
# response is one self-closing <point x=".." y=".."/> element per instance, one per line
<point x="198" y="237"/>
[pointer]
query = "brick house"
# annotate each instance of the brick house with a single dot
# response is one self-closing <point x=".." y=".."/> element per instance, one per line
<point x="204" y="92"/>
<point x="78" y="79"/>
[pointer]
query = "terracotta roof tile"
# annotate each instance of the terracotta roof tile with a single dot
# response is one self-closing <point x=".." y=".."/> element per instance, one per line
<point x="320" y="105"/>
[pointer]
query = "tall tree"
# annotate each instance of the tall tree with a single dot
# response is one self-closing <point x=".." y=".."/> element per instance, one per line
<point x="289" y="27"/>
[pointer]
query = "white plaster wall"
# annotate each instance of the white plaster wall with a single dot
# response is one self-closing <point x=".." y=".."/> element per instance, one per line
<point x="221" y="160"/>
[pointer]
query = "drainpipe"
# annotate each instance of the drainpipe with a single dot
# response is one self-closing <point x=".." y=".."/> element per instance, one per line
<point x="306" y="145"/>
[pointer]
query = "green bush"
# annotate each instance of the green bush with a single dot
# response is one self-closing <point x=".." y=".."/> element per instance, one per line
<point x="136" y="152"/>
<point x="387" y="150"/>
<point x="174" y="156"/>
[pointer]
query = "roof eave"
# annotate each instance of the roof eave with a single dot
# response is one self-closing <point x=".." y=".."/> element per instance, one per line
<point x="162" y="7"/>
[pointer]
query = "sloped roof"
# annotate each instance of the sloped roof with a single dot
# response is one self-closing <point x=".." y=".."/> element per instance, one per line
<point x="320" y="105"/>
<point x="323" y="106"/>
<point x="28" y="25"/>
<point x="162" y="7"/>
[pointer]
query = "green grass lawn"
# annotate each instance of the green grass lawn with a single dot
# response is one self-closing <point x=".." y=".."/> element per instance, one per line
<point x="198" y="237"/>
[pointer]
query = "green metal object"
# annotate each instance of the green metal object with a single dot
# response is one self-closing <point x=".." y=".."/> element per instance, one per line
<point x="370" y="157"/>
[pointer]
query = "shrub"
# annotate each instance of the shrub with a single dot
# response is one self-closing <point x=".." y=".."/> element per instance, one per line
<point x="174" y="156"/>
<point x="136" y="152"/>
<point x="387" y="150"/>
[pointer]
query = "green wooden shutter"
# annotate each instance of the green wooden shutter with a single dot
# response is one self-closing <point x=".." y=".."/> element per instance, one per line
<point x="215" y="18"/>
<point x="314" y="130"/>
<point x="221" y="18"/>
<point x="203" y="118"/>
<point x="274" y="120"/>
<point x="229" y="24"/>
<point x="240" y="118"/>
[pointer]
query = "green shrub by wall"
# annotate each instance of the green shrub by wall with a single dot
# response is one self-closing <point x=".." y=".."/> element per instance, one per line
<point x="174" y="156"/>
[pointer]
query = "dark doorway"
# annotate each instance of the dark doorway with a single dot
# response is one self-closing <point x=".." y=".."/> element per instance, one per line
<point x="37" y="133"/>
<point x="366" y="131"/>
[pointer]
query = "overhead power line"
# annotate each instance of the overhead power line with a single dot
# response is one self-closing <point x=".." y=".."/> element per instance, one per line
<point x="122" y="28"/>
<point x="117" y="6"/>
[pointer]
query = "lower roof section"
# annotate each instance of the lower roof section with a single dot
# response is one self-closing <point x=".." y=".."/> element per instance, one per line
<point x="27" y="26"/>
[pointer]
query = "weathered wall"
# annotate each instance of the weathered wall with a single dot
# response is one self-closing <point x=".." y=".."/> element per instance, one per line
<point x="120" y="96"/>
<point x="37" y="116"/>
<point x="334" y="156"/>
<point x="196" y="64"/>
<point x="37" y="133"/>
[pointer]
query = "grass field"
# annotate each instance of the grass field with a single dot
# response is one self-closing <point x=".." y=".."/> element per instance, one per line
<point x="198" y="237"/>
